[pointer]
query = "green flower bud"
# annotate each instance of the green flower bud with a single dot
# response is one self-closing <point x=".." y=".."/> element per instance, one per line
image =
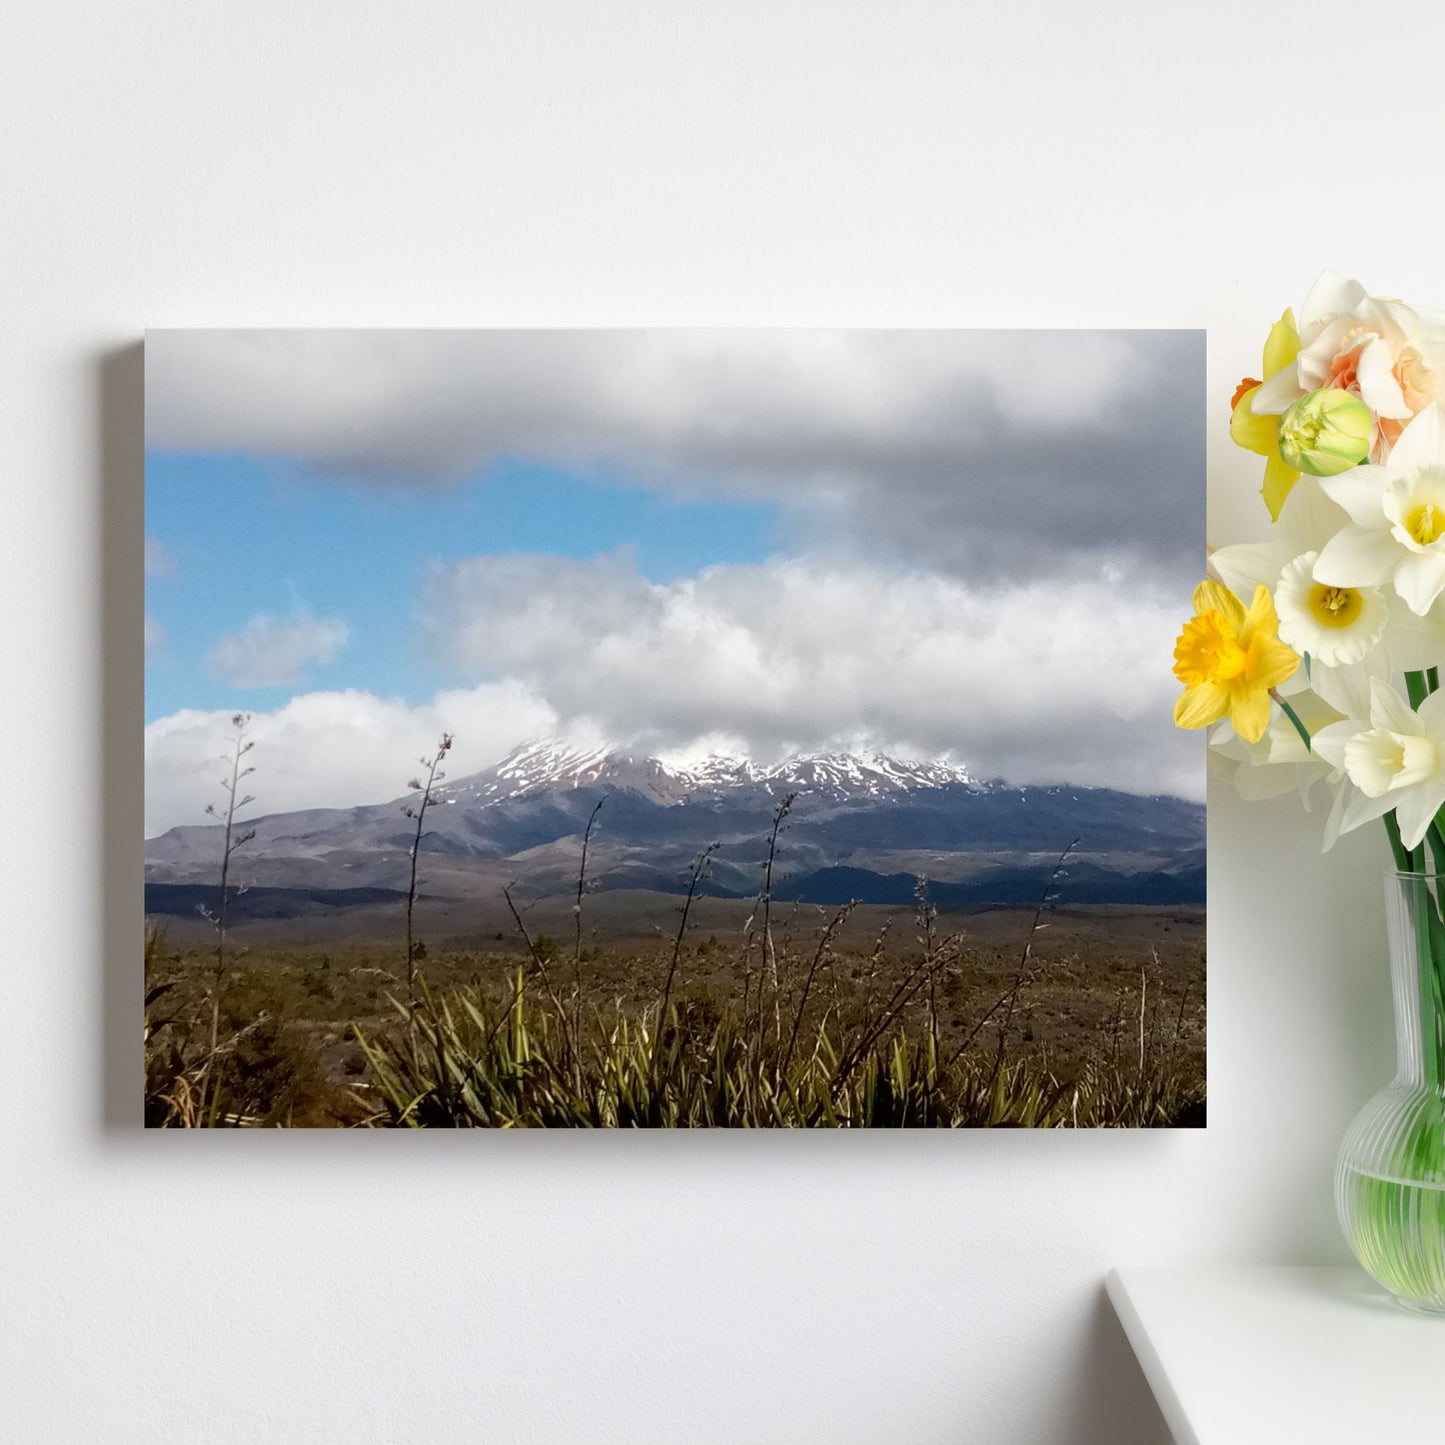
<point x="1325" y="433"/>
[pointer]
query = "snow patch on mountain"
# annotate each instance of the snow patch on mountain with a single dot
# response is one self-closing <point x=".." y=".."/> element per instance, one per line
<point x="549" y="765"/>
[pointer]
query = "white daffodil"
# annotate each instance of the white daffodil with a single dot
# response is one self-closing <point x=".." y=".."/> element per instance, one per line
<point x="1348" y="635"/>
<point x="1391" y="356"/>
<point x="1396" y="764"/>
<point x="1338" y="626"/>
<point x="1396" y="532"/>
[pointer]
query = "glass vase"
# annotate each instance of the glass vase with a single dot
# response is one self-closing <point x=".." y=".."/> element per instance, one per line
<point x="1390" y="1177"/>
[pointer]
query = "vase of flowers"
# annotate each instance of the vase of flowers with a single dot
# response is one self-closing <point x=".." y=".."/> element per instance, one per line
<point x="1390" y="1176"/>
<point x="1313" y="659"/>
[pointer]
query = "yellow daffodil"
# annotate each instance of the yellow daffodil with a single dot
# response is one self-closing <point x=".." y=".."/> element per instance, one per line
<point x="1228" y="660"/>
<point x="1260" y="434"/>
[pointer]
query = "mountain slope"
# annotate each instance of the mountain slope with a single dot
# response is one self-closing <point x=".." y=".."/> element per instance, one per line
<point x="859" y="823"/>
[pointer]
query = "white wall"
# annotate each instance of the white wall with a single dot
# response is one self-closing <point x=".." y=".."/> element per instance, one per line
<point x="334" y="162"/>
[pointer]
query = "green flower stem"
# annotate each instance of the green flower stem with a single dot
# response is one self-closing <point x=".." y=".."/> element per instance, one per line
<point x="1293" y="716"/>
<point x="1431" y="935"/>
<point x="1432" y="938"/>
<point x="1432" y="946"/>
<point x="1397" y="846"/>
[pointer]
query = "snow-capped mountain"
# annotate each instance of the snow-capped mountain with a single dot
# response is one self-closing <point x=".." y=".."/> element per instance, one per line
<point x="861" y="826"/>
<point x="547" y="765"/>
<point x="869" y="775"/>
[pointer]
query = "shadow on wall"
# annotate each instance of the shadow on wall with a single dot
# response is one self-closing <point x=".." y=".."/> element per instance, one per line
<point x="1116" y="1405"/>
<point x="1094" y="1394"/>
<point x="119" y="721"/>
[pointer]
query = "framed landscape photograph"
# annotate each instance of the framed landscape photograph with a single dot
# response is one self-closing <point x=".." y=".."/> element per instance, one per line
<point x="672" y="728"/>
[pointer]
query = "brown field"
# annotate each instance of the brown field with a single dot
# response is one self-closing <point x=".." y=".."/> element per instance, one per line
<point x="1094" y="984"/>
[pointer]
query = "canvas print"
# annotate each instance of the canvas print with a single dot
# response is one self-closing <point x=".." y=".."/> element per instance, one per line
<point x="672" y="728"/>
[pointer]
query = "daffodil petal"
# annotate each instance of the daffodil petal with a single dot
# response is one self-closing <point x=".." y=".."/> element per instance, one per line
<point x="1389" y="710"/>
<point x="1276" y="393"/>
<point x="1346" y="689"/>
<point x="1271" y="663"/>
<point x="1420" y="579"/>
<point x="1212" y="597"/>
<point x="1246" y="565"/>
<point x="1326" y="341"/>
<point x="1258" y="434"/>
<point x="1415" y="812"/>
<point x="1378" y="388"/>
<point x="1395" y="321"/>
<point x="1255" y="783"/>
<point x="1315" y="712"/>
<point x="1421" y="444"/>
<point x="1432" y="711"/>
<point x="1203" y="704"/>
<point x="1249" y="709"/>
<point x="1360" y="809"/>
<point x="1312" y="518"/>
<point x="1331" y="295"/>
<point x="1335" y="821"/>
<point x="1360" y="491"/>
<point x="1281" y="345"/>
<point x="1329" y="742"/>
<point x="1415" y="643"/>
<point x="1260" y="617"/>
<point x="1279" y="482"/>
<point x="1358" y="557"/>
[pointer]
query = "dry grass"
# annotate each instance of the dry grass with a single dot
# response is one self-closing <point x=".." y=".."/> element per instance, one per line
<point x="1096" y="978"/>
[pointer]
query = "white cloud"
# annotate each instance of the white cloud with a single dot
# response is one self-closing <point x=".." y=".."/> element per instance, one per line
<point x="1041" y="680"/>
<point x="1045" y="680"/>
<point x="332" y="749"/>
<point x="155" y="636"/>
<point x="159" y="561"/>
<point x="275" y="651"/>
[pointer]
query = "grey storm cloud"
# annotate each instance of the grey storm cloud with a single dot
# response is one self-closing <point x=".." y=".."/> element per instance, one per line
<point x="979" y="453"/>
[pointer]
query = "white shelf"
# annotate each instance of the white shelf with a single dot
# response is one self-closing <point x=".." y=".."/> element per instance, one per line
<point x="1238" y="1355"/>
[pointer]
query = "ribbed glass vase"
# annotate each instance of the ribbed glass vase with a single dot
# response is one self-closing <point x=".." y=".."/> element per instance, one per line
<point x="1390" y="1178"/>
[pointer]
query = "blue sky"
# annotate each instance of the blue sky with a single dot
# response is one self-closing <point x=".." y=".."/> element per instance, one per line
<point x="251" y="536"/>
